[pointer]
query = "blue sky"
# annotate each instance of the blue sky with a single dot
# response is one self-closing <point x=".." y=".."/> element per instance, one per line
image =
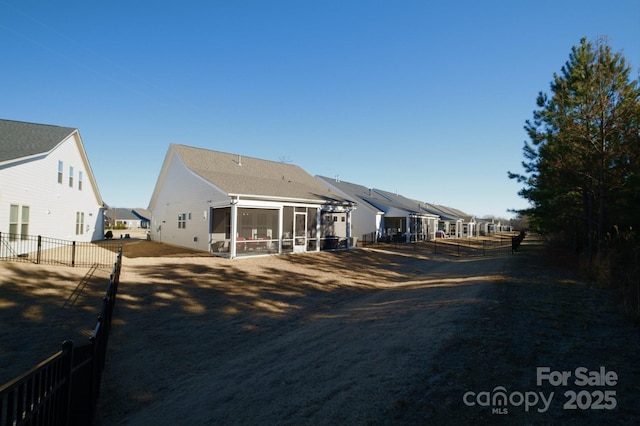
<point x="424" y="98"/>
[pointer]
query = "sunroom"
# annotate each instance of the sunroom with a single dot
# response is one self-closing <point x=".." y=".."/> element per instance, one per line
<point x="249" y="229"/>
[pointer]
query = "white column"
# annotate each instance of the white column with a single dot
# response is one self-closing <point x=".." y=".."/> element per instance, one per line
<point x="407" y="238"/>
<point x="234" y="232"/>
<point x="318" y="219"/>
<point x="280" y="228"/>
<point x="348" y="228"/>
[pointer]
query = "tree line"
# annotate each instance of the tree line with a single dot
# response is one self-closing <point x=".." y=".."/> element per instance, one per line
<point x="582" y="161"/>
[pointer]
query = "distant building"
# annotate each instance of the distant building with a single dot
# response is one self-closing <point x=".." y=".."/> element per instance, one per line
<point x="382" y="215"/>
<point x="126" y="218"/>
<point x="144" y="216"/>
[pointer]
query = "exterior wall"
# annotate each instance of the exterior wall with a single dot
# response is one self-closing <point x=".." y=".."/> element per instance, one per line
<point x="52" y="205"/>
<point x="181" y="192"/>
<point x="334" y="224"/>
<point x="365" y="221"/>
<point x="129" y="223"/>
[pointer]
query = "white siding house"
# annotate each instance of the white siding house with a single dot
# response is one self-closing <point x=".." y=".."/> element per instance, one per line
<point x="47" y="186"/>
<point x="367" y="220"/>
<point x="465" y="224"/>
<point x="121" y="218"/>
<point x="418" y="222"/>
<point x="382" y="215"/>
<point x="231" y="205"/>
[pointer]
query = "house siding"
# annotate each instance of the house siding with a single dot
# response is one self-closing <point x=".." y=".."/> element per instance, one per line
<point x="52" y="205"/>
<point x="183" y="192"/>
<point x="365" y="219"/>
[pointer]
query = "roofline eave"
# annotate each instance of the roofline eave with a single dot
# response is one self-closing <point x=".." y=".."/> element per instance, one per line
<point x="288" y="199"/>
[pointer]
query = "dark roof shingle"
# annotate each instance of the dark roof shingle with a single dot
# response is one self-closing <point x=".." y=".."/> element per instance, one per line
<point x="19" y="139"/>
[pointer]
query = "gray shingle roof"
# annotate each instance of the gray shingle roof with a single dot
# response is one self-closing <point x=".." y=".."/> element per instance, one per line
<point x="358" y="192"/>
<point x="236" y="174"/>
<point x="120" y="214"/>
<point x="402" y="202"/>
<point x="19" y="139"/>
<point x="142" y="214"/>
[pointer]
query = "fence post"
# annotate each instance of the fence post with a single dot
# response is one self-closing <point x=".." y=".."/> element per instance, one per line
<point x="65" y="401"/>
<point x="73" y="253"/>
<point x="39" y="249"/>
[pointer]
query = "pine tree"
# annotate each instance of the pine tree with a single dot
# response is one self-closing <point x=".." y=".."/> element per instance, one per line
<point x="582" y="162"/>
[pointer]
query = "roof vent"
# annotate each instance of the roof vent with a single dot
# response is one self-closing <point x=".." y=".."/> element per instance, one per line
<point x="239" y="160"/>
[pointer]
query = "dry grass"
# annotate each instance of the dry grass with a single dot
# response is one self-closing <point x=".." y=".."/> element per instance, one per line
<point x="358" y="337"/>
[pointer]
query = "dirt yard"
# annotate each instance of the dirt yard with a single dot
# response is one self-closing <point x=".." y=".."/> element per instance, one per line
<point x="357" y="337"/>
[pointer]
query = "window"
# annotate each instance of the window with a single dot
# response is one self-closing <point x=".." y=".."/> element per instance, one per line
<point x="80" y="181"/>
<point x="60" y="166"/>
<point x="13" y="221"/>
<point x="24" y="226"/>
<point x="79" y="223"/>
<point x="18" y="222"/>
<point x="70" y="177"/>
<point x="182" y="221"/>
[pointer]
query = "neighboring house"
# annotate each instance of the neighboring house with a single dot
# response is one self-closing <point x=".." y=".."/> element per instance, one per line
<point x="144" y="216"/>
<point x="383" y="215"/>
<point x="232" y="205"/>
<point x="48" y="187"/>
<point x="490" y="225"/>
<point x="124" y="218"/>
<point x="367" y="220"/>
<point x="465" y="224"/>
<point x="406" y="219"/>
<point x="450" y="224"/>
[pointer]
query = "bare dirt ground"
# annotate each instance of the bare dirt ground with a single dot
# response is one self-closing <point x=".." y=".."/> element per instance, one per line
<point x="357" y="337"/>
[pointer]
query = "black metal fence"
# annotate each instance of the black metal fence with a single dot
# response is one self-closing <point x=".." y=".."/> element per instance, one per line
<point x="51" y="251"/>
<point x="472" y="246"/>
<point x="64" y="388"/>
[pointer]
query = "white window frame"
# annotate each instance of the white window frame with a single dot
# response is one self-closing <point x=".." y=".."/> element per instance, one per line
<point x="18" y="222"/>
<point x="79" y="223"/>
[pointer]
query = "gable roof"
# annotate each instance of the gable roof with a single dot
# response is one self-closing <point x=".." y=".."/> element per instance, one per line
<point x="381" y="200"/>
<point x="453" y="213"/>
<point x="247" y="176"/>
<point x="142" y="214"/>
<point x="400" y="201"/>
<point x="362" y="194"/>
<point x="19" y="139"/>
<point x="120" y="214"/>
